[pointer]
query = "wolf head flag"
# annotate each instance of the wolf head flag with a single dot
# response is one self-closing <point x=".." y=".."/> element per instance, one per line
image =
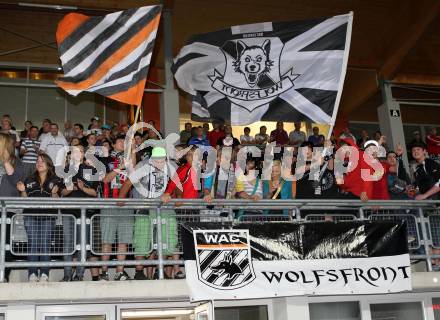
<point x="109" y="55"/>
<point x="280" y="71"/>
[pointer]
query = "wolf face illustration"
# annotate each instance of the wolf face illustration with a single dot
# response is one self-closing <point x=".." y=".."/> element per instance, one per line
<point x="253" y="61"/>
<point x="228" y="267"/>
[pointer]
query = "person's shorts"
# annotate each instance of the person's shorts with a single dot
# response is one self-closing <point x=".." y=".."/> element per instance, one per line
<point x="170" y="231"/>
<point x="144" y="232"/>
<point x="116" y="226"/>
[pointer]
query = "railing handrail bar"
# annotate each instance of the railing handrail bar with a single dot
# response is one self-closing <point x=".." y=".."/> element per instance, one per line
<point x="56" y="202"/>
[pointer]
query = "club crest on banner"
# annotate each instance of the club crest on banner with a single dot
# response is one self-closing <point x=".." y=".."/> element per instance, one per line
<point x="224" y="258"/>
<point x="252" y="75"/>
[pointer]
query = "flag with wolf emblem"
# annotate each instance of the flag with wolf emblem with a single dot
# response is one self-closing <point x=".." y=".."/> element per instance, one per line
<point x="249" y="260"/>
<point x="109" y="55"/>
<point x="224" y="258"/>
<point x="288" y="71"/>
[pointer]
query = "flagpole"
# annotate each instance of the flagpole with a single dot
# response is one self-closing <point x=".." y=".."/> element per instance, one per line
<point x="130" y="145"/>
<point x="137" y="115"/>
<point x="330" y="130"/>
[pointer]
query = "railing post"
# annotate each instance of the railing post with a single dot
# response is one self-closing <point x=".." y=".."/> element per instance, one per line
<point x="230" y="214"/>
<point x="159" y="242"/>
<point x="361" y="214"/>
<point x="297" y="214"/>
<point x="426" y="242"/>
<point x="83" y="243"/>
<point x="3" y="243"/>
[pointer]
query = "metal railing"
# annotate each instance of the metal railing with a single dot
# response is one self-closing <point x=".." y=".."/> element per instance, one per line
<point x="97" y="226"/>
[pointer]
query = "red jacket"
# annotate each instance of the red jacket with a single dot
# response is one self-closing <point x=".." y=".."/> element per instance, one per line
<point x="433" y="143"/>
<point x="353" y="181"/>
<point x="187" y="177"/>
<point x="380" y="187"/>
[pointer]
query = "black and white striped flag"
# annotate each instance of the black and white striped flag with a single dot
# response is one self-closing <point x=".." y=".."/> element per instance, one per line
<point x="289" y="71"/>
<point x="108" y="55"/>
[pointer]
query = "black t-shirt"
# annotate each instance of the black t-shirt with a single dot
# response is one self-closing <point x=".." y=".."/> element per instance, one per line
<point x="115" y="159"/>
<point x="84" y="174"/>
<point x="427" y="175"/>
<point x="308" y="189"/>
<point x="35" y="189"/>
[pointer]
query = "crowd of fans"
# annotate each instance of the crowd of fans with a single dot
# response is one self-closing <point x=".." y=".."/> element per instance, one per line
<point x="27" y="169"/>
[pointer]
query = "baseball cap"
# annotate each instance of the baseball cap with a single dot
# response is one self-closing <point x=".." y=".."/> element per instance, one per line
<point x="371" y="143"/>
<point x="158" y="152"/>
<point x="94" y="118"/>
<point x="106" y="127"/>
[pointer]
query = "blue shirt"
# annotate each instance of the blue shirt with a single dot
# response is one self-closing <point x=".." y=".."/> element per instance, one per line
<point x="285" y="193"/>
<point x="203" y="142"/>
<point x="318" y="141"/>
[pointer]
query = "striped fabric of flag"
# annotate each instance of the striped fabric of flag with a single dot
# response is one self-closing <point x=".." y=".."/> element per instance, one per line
<point x="109" y="55"/>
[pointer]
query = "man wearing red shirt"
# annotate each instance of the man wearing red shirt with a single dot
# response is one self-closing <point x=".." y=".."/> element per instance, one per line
<point x="279" y="135"/>
<point x="433" y="142"/>
<point x="354" y="186"/>
<point x="215" y="134"/>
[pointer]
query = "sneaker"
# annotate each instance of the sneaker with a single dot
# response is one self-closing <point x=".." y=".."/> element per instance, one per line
<point x="121" y="276"/>
<point x="140" y="275"/>
<point x="179" y="275"/>
<point x="104" y="276"/>
<point x="77" y="278"/>
<point x="66" y="279"/>
<point x="33" y="278"/>
<point x="44" y="278"/>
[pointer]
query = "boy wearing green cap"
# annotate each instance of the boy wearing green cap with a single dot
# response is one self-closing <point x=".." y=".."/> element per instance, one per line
<point x="149" y="181"/>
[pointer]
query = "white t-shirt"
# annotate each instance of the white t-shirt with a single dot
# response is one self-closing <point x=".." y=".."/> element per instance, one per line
<point x="297" y="136"/>
<point x="51" y="145"/>
<point x="148" y="181"/>
<point x="246" y="139"/>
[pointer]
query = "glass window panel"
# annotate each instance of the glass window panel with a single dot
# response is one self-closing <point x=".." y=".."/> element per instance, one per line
<point x="13" y="102"/>
<point x="397" y="311"/>
<point x="356" y="128"/>
<point x="408" y="131"/>
<point x="335" y="311"/>
<point x="74" y="318"/>
<point x="202" y="315"/>
<point x="241" y="313"/>
<point x="46" y="103"/>
<point x="80" y="109"/>
<point x="13" y="77"/>
<point x="436" y="308"/>
<point x="428" y="128"/>
<point x="161" y="314"/>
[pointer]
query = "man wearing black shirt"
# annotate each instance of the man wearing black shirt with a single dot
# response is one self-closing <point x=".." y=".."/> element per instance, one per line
<point x="427" y="175"/>
<point x="78" y="131"/>
<point x="323" y="186"/>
